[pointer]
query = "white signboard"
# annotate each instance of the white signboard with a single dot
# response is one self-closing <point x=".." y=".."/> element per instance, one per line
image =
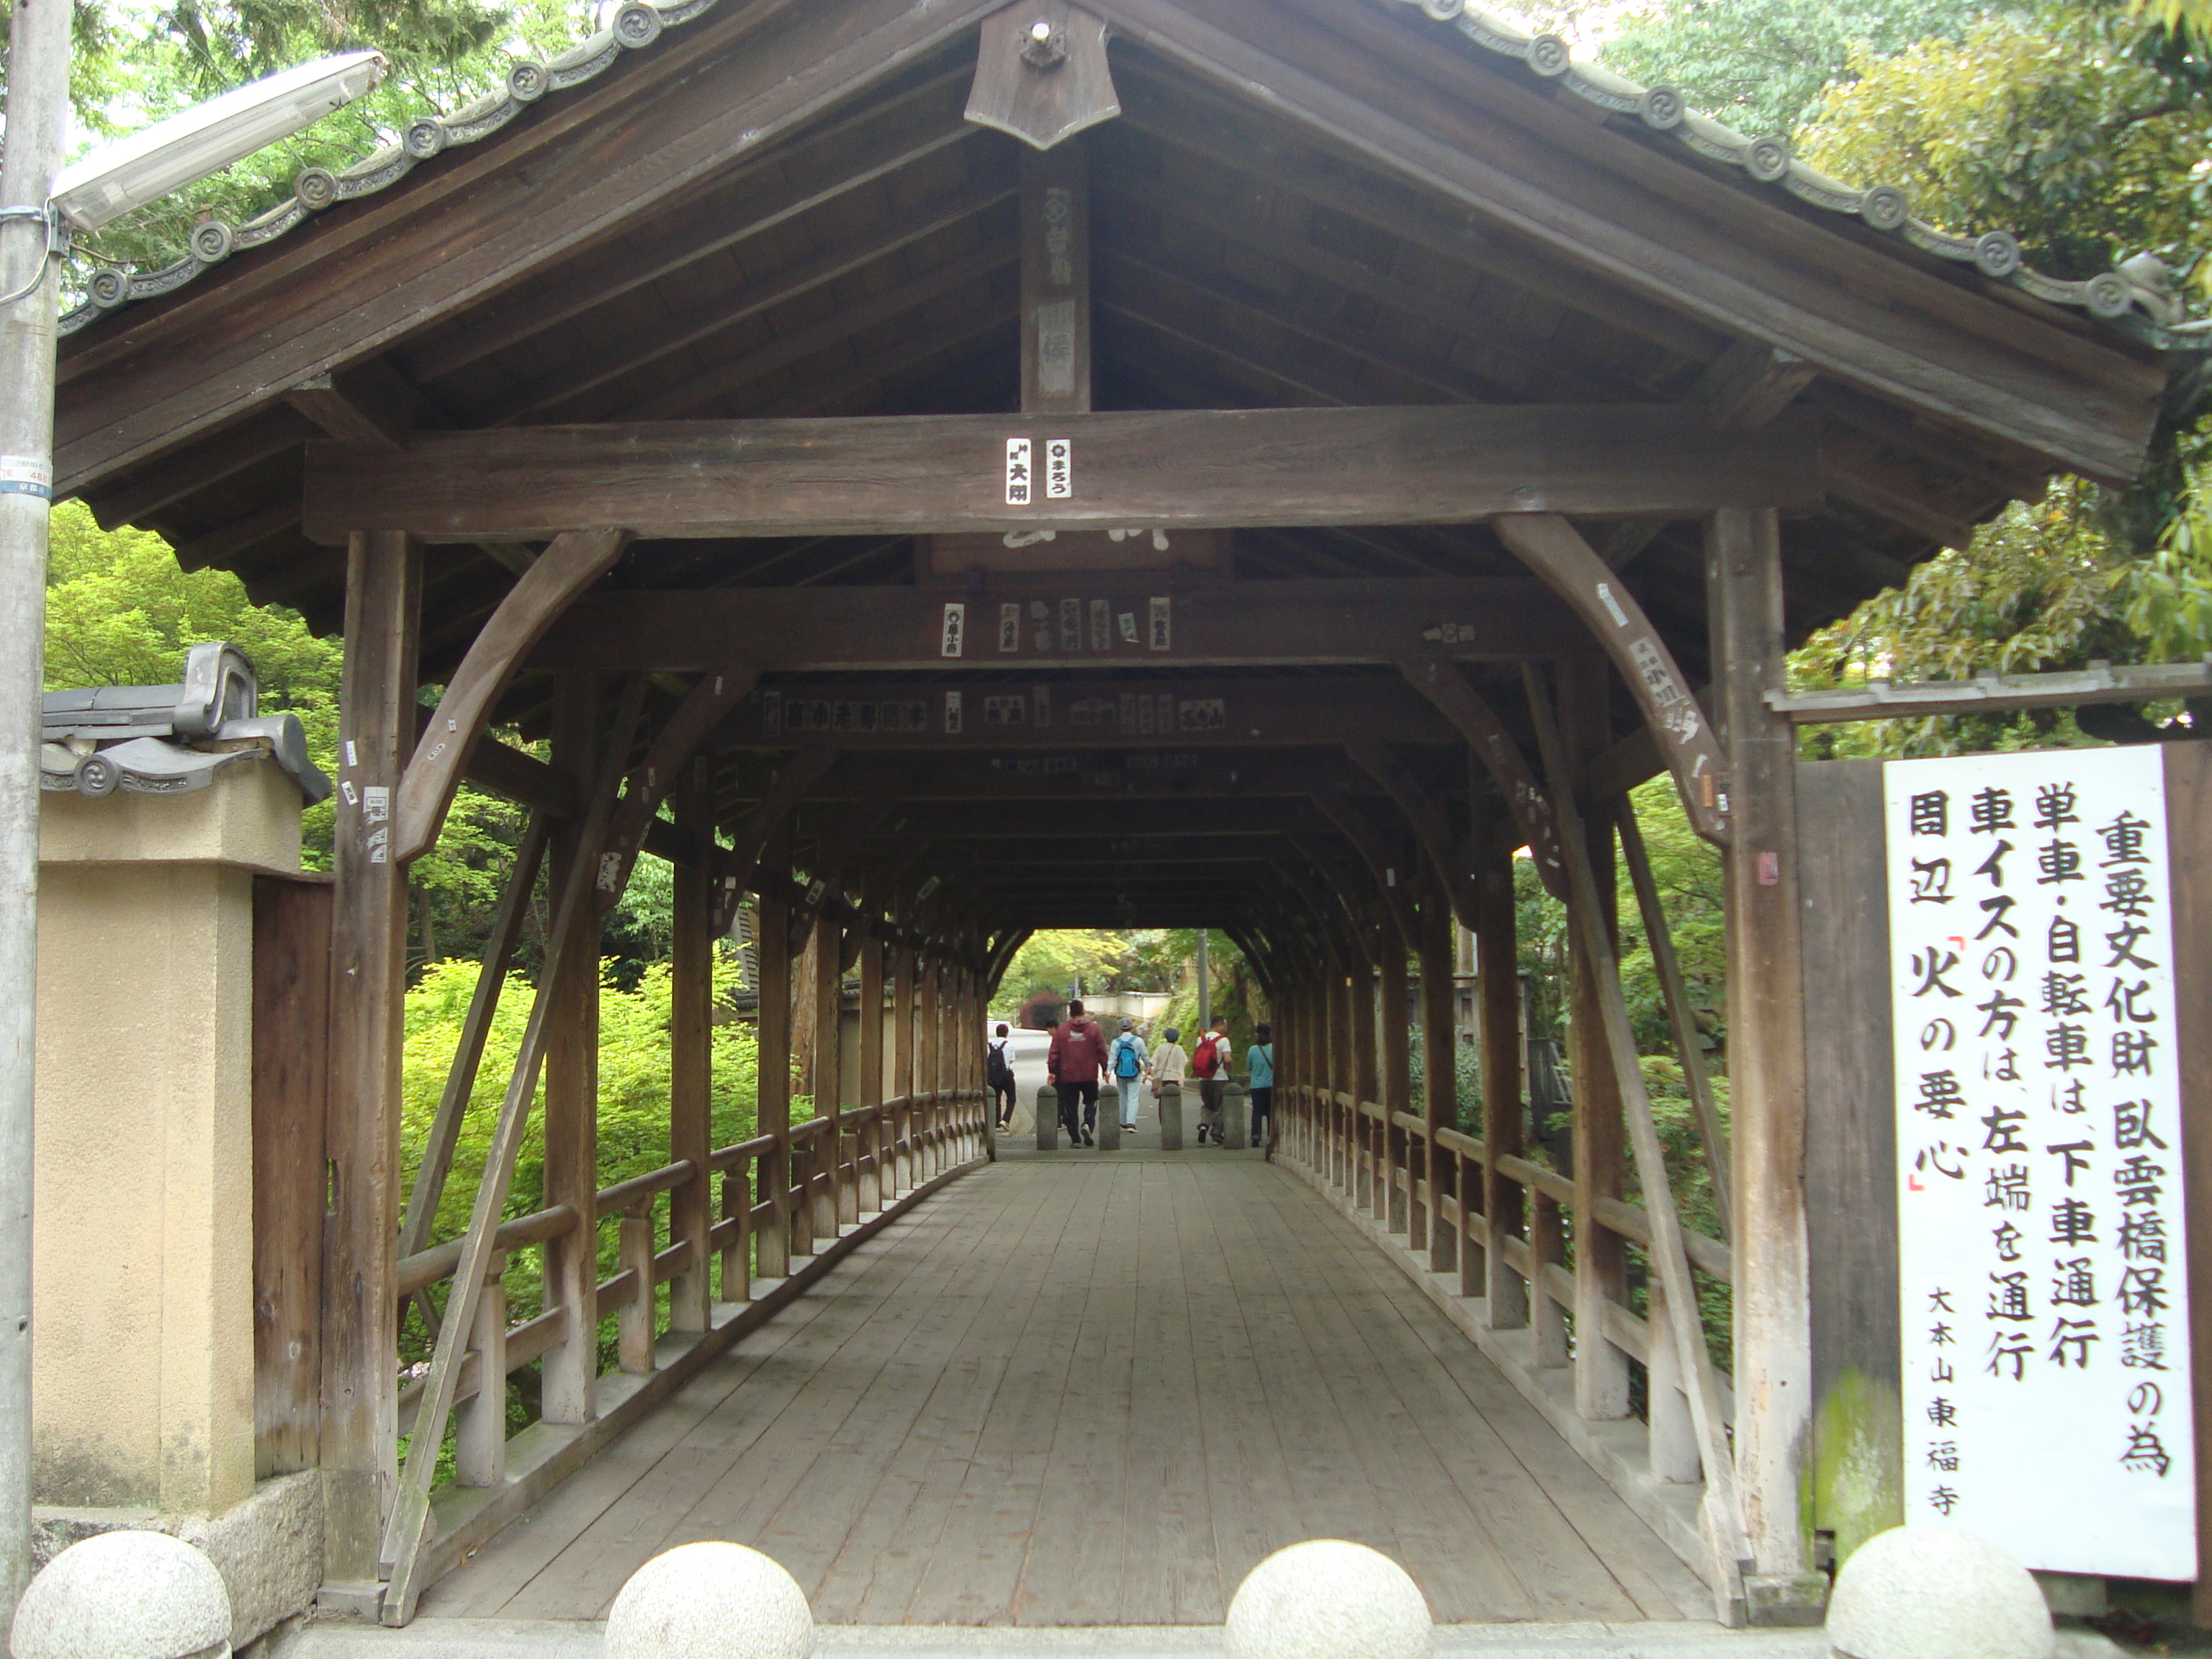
<point x="2042" y="1261"/>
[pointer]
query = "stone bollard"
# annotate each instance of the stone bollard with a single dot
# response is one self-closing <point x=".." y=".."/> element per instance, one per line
<point x="1109" y="1118"/>
<point x="1047" y="1117"/>
<point x="1327" y="1599"/>
<point x="710" y="1600"/>
<point x="1232" y="1115"/>
<point x="1937" y="1593"/>
<point x="1167" y="1098"/>
<point x="125" y="1596"/>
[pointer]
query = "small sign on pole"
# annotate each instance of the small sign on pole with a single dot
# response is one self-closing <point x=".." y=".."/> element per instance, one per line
<point x="2042" y="1292"/>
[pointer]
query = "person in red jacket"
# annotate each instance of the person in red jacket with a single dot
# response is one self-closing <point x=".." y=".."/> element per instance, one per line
<point x="1210" y="1063"/>
<point x="1076" y="1058"/>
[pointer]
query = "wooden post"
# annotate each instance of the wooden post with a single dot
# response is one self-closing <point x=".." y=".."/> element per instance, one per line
<point x="570" y="1373"/>
<point x="927" y="1050"/>
<point x="903" y="1040"/>
<point x="1366" y="1077"/>
<point x="828" y="992"/>
<point x="1395" y="1039"/>
<point x="480" y="1424"/>
<point x="738" y="1244"/>
<point x="877" y="1190"/>
<point x="1600" y="1138"/>
<point x="1767" y="1052"/>
<point x="1439" y="1079"/>
<point x="1505" y="1294"/>
<point x="361" y="1334"/>
<point x="634" y="1320"/>
<point x="1056" y="280"/>
<point x="690" y="1038"/>
<point x="774" y="1088"/>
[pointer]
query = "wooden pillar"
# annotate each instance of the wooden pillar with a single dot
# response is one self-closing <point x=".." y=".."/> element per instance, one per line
<point x="925" y="1061"/>
<point x="829" y="994"/>
<point x="1394" y="1040"/>
<point x="361" y="1332"/>
<point x="1766" y="1039"/>
<point x="1498" y="986"/>
<point x="1365" y="1077"/>
<point x="690" y="1079"/>
<point x="774" y="1088"/>
<point x="879" y="1185"/>
<point x="904" y="994"/>
<point x="1599" y="1133"/>
<point x="1055" y="230"/>
<point x="570" y="1373"/>
<point x="1439" y="1080"/>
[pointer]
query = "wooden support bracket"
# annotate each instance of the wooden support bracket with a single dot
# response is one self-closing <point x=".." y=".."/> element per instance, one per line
<point x="719" y="691"/>
<point x="569" y="566"/>
<point x="1555" y="551"/>
<point x="1444" y="685"/>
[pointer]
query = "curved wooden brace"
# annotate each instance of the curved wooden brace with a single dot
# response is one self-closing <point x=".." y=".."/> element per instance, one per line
<point x="719" y="691"/>
<point x="566" y="568"/>
<point x="1444" y="685"/>
<point x="1336" y="806"/>
<point x="800" y="773"/>
<point x="1555" y="551"/>
<point x="1427" y="820"/>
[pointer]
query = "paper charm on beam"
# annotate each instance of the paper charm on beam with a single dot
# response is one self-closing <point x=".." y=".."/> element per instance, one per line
<point x="1041" y="73"/>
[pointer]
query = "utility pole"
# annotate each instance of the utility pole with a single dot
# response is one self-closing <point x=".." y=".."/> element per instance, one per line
<point x="1205" y="989"/>
<point x="37" y="121"/>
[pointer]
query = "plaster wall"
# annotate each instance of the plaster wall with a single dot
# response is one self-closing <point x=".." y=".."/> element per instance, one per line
<point x="142" y="1333"/>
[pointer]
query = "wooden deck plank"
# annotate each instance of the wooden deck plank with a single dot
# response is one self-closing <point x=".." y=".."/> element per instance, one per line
<point x="1078" y="1389"/>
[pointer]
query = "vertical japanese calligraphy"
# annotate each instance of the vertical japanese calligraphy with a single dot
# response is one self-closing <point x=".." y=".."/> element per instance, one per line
<point x="2042" y="1262"/>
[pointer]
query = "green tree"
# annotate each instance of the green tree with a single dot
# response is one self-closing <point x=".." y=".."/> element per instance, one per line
<point x="1760" y="64"/>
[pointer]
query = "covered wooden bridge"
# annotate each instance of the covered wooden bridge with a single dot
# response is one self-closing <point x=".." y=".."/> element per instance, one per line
<point x="945" y="468"/>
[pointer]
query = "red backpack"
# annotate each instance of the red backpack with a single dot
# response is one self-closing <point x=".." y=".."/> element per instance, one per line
<point x="1207" y="1060"/>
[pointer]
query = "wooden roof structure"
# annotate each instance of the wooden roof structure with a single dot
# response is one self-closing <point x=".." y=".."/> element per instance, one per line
<point x="990" y="465"/>
<point x="762" y="211"/>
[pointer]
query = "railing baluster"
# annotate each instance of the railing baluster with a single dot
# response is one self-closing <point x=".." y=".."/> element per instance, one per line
<point x="480" y="1421"/>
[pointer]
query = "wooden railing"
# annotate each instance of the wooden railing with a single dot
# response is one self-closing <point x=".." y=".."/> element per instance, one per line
<point x="1376" y="1165"/>
<point x="835" y="1182"/>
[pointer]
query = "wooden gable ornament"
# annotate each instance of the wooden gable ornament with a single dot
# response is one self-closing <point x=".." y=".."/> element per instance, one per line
<point x="1042" y="73"/>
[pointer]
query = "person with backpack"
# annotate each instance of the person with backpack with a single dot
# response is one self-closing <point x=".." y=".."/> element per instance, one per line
<point x="1210" y="1063"/>
<point x="1127" y="1059"/>
<point x="999" y="1075"/>
<point x="1260" y="1063"/>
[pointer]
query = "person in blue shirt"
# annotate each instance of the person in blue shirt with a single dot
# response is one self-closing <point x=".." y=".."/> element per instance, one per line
<point x="1127" y="1059"/>
<point x="1260" y="1062"/>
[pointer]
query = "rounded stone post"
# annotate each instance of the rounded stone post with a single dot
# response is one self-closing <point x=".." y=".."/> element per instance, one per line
<point x="1109" y="1117"/>
<point x="125" y="1596"/>
<point x="1327" y="1599"/>
<point x="1167" y="1097"/>
<point x="710" y="1600"/>
<point x="1048" y="1119"/>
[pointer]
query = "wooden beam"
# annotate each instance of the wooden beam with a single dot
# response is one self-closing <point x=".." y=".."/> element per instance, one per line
<point x="371" y="405"/>
<point x="392" y="266"/>
<point x="1055" y="277"/>
<point x="1445" y="686"/>
<point x="718" y="691"/>
<point x="570" y="565"/>
<point x="1881" y="700"/>
<point x="1291" y="624"/>
<point x="737" y="866"/>
<point x="165" y="481"/>
<point x="1202" y="468"/>
<point x="1088" y="713"/>
<point x="1557" y="552"/>
<point x="1697" y="244"/>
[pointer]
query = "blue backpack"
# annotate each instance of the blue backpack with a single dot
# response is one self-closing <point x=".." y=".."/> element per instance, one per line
<point x="1126" y="1062"/>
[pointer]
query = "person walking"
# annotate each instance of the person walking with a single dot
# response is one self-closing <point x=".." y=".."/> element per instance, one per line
<point x="1077" y="1057"/>
<point x="1210" y="1063"/>
<point x="1260" y="1082"/>
<point x="999" y="1073"/>
<point x="1127" y="1060"/>
<point x="1169" y="1063"/>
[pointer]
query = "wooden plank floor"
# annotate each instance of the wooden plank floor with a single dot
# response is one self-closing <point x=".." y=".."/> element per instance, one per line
<point x="1087" y="1389"/>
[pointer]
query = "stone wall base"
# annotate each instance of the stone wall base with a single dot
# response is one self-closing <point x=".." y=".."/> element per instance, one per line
<point x="269" y="1549"/>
